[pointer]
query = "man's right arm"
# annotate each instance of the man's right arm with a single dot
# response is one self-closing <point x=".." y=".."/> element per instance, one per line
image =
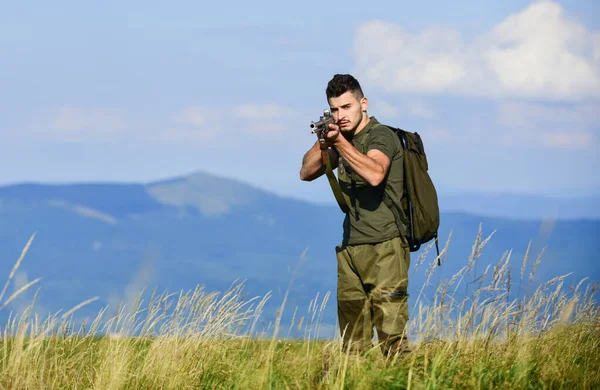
<point x="312" y="163"/>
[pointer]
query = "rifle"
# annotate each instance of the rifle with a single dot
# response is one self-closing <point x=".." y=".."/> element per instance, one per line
<point x="321" y="128"/>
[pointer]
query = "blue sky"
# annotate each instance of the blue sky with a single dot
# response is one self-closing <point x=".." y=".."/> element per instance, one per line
<point x="505" y="94"/>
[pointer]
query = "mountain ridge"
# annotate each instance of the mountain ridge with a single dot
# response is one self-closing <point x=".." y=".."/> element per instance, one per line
<point x="95" y="239"/>
<point x="231" y="192"/>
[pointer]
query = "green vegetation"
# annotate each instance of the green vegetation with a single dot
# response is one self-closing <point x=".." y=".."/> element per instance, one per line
<point x="547" y="338"/>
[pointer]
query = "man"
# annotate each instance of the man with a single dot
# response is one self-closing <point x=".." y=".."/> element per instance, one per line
<point x="374" y="256"/>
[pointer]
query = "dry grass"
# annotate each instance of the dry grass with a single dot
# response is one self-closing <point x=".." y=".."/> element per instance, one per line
<point x="548" y="338"/>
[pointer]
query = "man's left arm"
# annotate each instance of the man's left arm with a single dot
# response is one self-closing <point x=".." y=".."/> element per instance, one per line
<point x="372" y="167"/>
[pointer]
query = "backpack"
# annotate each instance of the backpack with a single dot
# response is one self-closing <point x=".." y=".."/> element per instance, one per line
<point x="420" y="200"/>
<point x="419" y="218"/>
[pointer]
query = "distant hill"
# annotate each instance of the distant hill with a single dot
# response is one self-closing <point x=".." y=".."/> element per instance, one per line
<point x="113" y="240"/>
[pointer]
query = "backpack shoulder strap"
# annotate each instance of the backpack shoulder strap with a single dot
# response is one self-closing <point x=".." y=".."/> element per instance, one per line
<point x="366" y="138"/>
<point x="399" y="216"/>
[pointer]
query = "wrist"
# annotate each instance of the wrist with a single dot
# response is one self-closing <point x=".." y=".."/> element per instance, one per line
<point x="339" y="141"/>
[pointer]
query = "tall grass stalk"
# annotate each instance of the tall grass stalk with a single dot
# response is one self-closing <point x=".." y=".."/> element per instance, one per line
<point x="488" y="338"/>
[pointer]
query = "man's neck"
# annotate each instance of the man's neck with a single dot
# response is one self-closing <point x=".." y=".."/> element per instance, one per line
<point x="363" y="123"/>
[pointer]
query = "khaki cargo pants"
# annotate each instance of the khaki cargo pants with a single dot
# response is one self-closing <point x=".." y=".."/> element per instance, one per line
<point x="372" y="290"/>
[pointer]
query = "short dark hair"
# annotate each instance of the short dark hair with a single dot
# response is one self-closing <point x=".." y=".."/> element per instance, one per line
<point x="342" y="83"/>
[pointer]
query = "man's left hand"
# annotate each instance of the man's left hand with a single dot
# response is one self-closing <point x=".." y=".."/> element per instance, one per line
<point x="332" y="135"/>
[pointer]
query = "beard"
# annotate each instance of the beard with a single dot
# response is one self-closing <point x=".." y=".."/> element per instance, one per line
<point x="351" y="125"/>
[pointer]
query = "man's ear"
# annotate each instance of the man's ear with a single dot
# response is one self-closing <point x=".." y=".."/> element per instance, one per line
<point x="364" y="104"/>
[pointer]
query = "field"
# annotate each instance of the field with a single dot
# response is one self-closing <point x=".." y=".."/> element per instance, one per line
<point x="489" y="337"/>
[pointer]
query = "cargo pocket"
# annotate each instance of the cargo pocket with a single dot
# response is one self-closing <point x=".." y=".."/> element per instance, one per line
<point x="394" y="311"/>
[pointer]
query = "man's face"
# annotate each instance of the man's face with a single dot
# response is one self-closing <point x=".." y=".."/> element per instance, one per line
<point x="347" y="111"/>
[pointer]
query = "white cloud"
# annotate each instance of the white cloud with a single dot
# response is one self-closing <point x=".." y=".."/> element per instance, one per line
<point x="199" y="123"/>
<point x="266" y="128"/>
<point x="186" y="134"/>
<point x="75" y="123"/>
<point x="262" y="111"/>
<point x="535" y="115"/>
<point x="419" y="109"/>
<point x="385" y="109"/>
<point x="438" y="134"/>
<point x="537" y="53"/>
<point x="193" y="123"/>
<point x="263" y="119"/>
<point x="569" y="140"/>
<point x="556" y="126"/>
<point x="414" y="108"/>
<point x="194" y="116"/>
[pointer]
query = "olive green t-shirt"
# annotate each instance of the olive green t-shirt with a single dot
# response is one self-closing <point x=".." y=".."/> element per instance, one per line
<point x="374" y="222"/>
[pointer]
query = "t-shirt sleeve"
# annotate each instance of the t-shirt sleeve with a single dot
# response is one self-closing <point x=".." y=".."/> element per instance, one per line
<point x="384" y="140"/>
